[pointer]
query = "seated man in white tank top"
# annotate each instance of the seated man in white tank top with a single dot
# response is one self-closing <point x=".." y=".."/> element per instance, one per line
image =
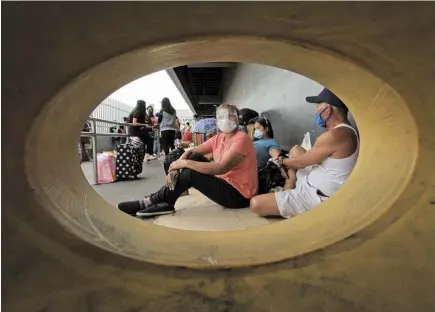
<point x="317" y="174"/>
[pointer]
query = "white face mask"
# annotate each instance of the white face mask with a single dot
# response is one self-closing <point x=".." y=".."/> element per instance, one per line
<point x="226" y="125"/>
<point x="258" y="134"/>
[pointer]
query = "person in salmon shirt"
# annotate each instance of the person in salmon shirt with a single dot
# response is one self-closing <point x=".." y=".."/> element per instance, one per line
<point x="230" y="181"/>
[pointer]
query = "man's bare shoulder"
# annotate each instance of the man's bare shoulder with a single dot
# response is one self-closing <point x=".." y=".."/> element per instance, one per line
<point x="342" y="134"/>
<point x="345" y="141"/>
<point x="326" y="137"/>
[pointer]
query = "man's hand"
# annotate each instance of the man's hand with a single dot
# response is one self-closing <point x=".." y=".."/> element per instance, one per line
<point x="279" y="161"/>
<point x="177" y="165"/>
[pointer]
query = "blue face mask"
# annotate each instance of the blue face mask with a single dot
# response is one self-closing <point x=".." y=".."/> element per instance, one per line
<point x="258" y="134"/>
<point x="322" y="122"/>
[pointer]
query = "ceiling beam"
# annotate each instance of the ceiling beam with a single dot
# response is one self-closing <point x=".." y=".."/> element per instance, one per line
<point x="179" y="85"/>
<point x="209" y="99"/>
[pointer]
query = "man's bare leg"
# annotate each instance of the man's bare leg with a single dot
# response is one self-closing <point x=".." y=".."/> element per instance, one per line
<point x="265" y="205"/>
<point x="290" y="183"/>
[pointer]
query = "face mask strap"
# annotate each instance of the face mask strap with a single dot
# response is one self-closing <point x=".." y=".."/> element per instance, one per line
<point x="321" y="112"/>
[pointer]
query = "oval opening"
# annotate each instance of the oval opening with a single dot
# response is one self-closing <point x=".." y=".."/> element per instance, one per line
<point x="273" y="112"/>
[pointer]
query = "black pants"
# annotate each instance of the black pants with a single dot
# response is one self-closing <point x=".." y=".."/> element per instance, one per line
<point x="218" y="190"/>
<point x="168" y="139"/>
<point x="148" y="141"/>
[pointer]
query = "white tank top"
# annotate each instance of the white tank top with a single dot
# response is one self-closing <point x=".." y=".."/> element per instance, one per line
<point x="330" y="174"/>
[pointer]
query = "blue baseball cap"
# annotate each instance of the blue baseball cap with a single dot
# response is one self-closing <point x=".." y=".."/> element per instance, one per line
<point x="328" y="97"/>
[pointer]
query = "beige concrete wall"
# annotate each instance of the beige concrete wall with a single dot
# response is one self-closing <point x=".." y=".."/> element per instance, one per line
<point x="369" y="248"/>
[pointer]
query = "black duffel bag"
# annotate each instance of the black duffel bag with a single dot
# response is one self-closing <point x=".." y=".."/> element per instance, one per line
<point x="270" y="176"/>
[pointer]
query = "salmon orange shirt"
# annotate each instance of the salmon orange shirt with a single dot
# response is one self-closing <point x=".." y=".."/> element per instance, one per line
<point x="243" y="176"/>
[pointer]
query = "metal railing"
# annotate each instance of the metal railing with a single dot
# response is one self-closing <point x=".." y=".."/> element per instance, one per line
<point x="93" y="135"/>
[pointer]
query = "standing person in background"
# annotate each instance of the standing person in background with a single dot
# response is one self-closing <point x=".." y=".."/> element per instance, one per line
<point x="187" y="128"/>
<point x="178" y="131"/>
<point x="116" y="141"/>
<point x="168" y="125"/>
<point x="142" y="127"/>
<point x="155" y="124"/>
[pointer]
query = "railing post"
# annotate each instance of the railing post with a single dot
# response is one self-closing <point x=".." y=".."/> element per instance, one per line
<point x="94" y="151"/>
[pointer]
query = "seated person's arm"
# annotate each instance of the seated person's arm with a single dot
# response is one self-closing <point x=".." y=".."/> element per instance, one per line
<point x="203" y="149"/>
<point x="229" y="160"/>
<point x="274" y="153"/>
<point x="324" y="147"/>
<point x="274" y="150"/>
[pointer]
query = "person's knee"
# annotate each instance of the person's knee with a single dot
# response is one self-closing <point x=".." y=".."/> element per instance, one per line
<point x="297" y="150"/>
<point x="189" y="174"/>
<point x="254" y="205"/>
<point x="186" y="173"/>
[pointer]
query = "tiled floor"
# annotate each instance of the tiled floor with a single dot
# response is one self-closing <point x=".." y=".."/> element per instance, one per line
<point x="193" y="212"/>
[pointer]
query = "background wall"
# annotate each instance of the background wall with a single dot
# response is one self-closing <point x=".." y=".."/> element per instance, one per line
<point x="277" y="94"/>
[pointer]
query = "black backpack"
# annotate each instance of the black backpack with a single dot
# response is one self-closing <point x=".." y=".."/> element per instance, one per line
<point x="269" y="177"/>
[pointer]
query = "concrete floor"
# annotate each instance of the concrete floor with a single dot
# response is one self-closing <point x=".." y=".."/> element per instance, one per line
<point x="193" y="212"/>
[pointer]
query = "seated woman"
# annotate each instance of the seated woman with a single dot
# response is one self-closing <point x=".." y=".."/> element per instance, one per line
<point x="265" y="146"/>
<point x="230" y="181"/>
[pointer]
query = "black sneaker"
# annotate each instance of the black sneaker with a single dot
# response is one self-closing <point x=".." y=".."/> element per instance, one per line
<point x="156" y="210"/>
<point x="131" y="207"/>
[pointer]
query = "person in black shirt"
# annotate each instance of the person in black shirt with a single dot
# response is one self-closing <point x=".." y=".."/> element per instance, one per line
<point x="141" y="126"/>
